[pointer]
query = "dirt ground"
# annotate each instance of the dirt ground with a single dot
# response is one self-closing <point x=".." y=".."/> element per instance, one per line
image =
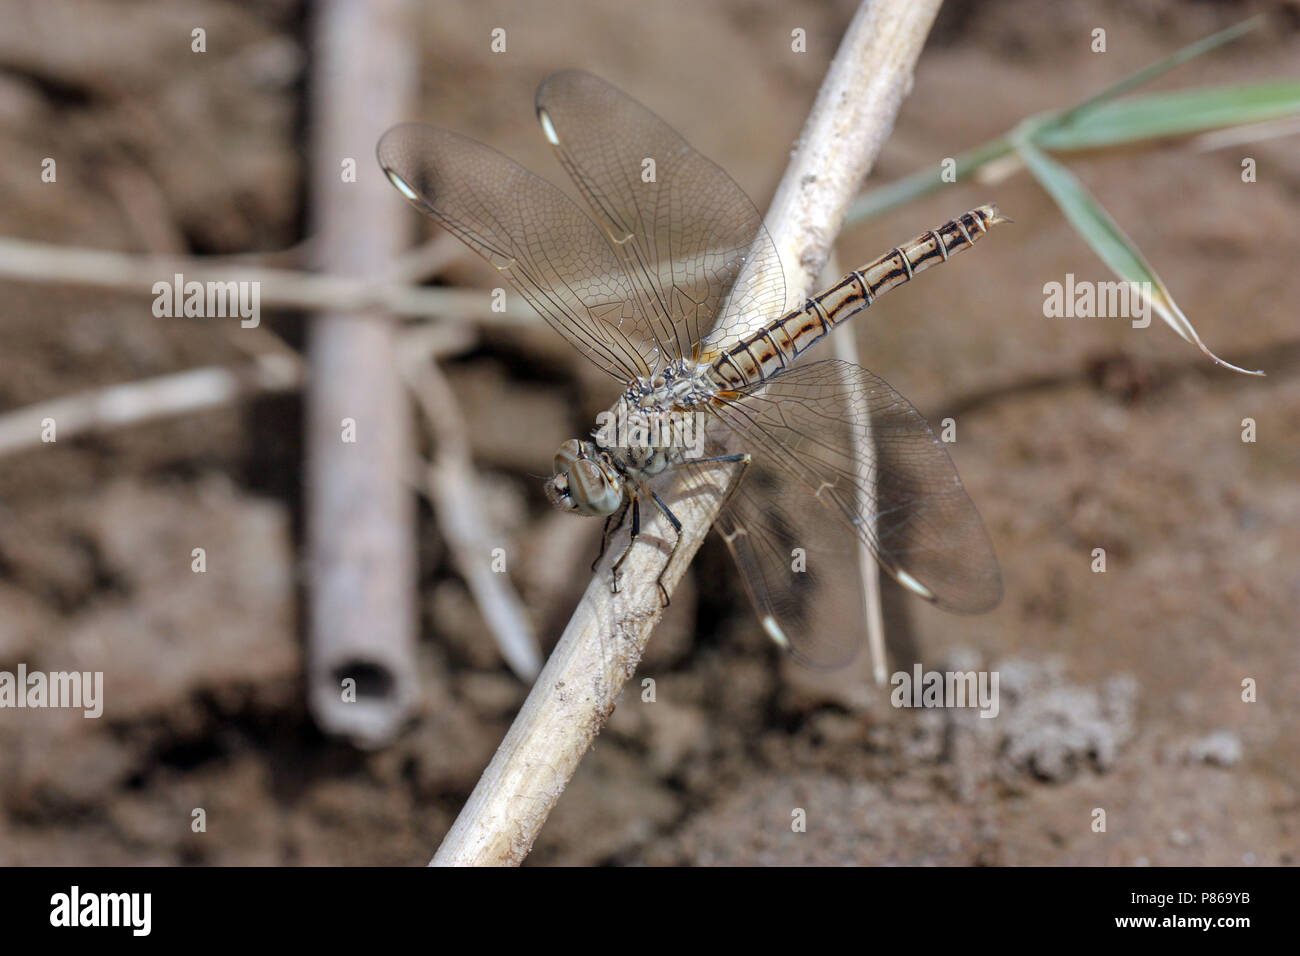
<point x="1120" y="691"/>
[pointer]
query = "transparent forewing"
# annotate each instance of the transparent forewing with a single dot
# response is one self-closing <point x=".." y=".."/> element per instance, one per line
<point x="688" y="235"/>
<point x="816" y="477"/>
<point x="540" y="240"/>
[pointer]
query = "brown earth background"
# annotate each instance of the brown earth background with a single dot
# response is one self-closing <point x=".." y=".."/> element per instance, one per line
<point x="1120" y="690"/>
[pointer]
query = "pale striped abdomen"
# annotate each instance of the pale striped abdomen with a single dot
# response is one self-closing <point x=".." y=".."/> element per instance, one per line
<point x="775" y="346"/>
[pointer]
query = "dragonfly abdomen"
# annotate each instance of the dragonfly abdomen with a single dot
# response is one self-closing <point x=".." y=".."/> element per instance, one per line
<point x="770" y="349"/>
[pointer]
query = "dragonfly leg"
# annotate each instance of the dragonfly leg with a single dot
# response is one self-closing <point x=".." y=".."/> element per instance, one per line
<point x="612" y="524"/>
<point x="743" y="460"/>
<point x="636" y="530"/>
<point x="677" y="526"/>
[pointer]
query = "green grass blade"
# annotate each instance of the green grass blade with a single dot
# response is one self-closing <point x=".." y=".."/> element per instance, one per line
<point x="1101" y="232"/>
<point x="891" y="195"/>
<point x="1173" y="114"/>
<point x="920" y="183"/>
<point x="1149" y="73"/>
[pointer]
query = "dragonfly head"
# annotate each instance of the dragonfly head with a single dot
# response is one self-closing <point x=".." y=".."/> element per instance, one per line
<point x="585" y="480"/>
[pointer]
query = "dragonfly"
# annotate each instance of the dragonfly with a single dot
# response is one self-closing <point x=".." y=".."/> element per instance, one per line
<point x="671" y="285"/>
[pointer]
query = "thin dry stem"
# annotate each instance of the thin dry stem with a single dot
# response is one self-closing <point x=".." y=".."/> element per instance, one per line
<point x="274" y="368"/>
<point x="27" y="261"/>
<point x="452" y="485"/>
<point x="600" y="648"/>
<point x="844" y="341"/>
<point x="130" y="403"/>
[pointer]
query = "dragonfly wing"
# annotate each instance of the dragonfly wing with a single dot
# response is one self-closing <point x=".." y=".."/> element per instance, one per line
<point x="817" y="485"/>
<point x="803" y="579"/>
<point x="689" y="236"/>
<point x="540" y="240"/>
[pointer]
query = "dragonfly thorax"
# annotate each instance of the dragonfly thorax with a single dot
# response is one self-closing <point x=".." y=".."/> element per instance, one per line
<point x="680" y="383"/>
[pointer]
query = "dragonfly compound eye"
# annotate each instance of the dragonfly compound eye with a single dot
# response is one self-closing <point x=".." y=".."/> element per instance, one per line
<point x="567" y="455"/>
<point x="593" y="489"/>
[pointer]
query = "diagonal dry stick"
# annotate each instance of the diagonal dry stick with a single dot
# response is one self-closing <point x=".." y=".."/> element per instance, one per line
<point x="273" y="367"/>
<point x="452" y="486"/>
<point x="129" y="403"/>
<point x="853" y="115"/>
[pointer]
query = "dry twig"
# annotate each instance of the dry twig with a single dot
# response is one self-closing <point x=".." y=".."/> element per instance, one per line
<point x="846" y="350"/>
<point x="130" y="403"/>
<point x="273" y="369"/>
<point x="451" y="485"/>
<point x="27" y="261"/>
